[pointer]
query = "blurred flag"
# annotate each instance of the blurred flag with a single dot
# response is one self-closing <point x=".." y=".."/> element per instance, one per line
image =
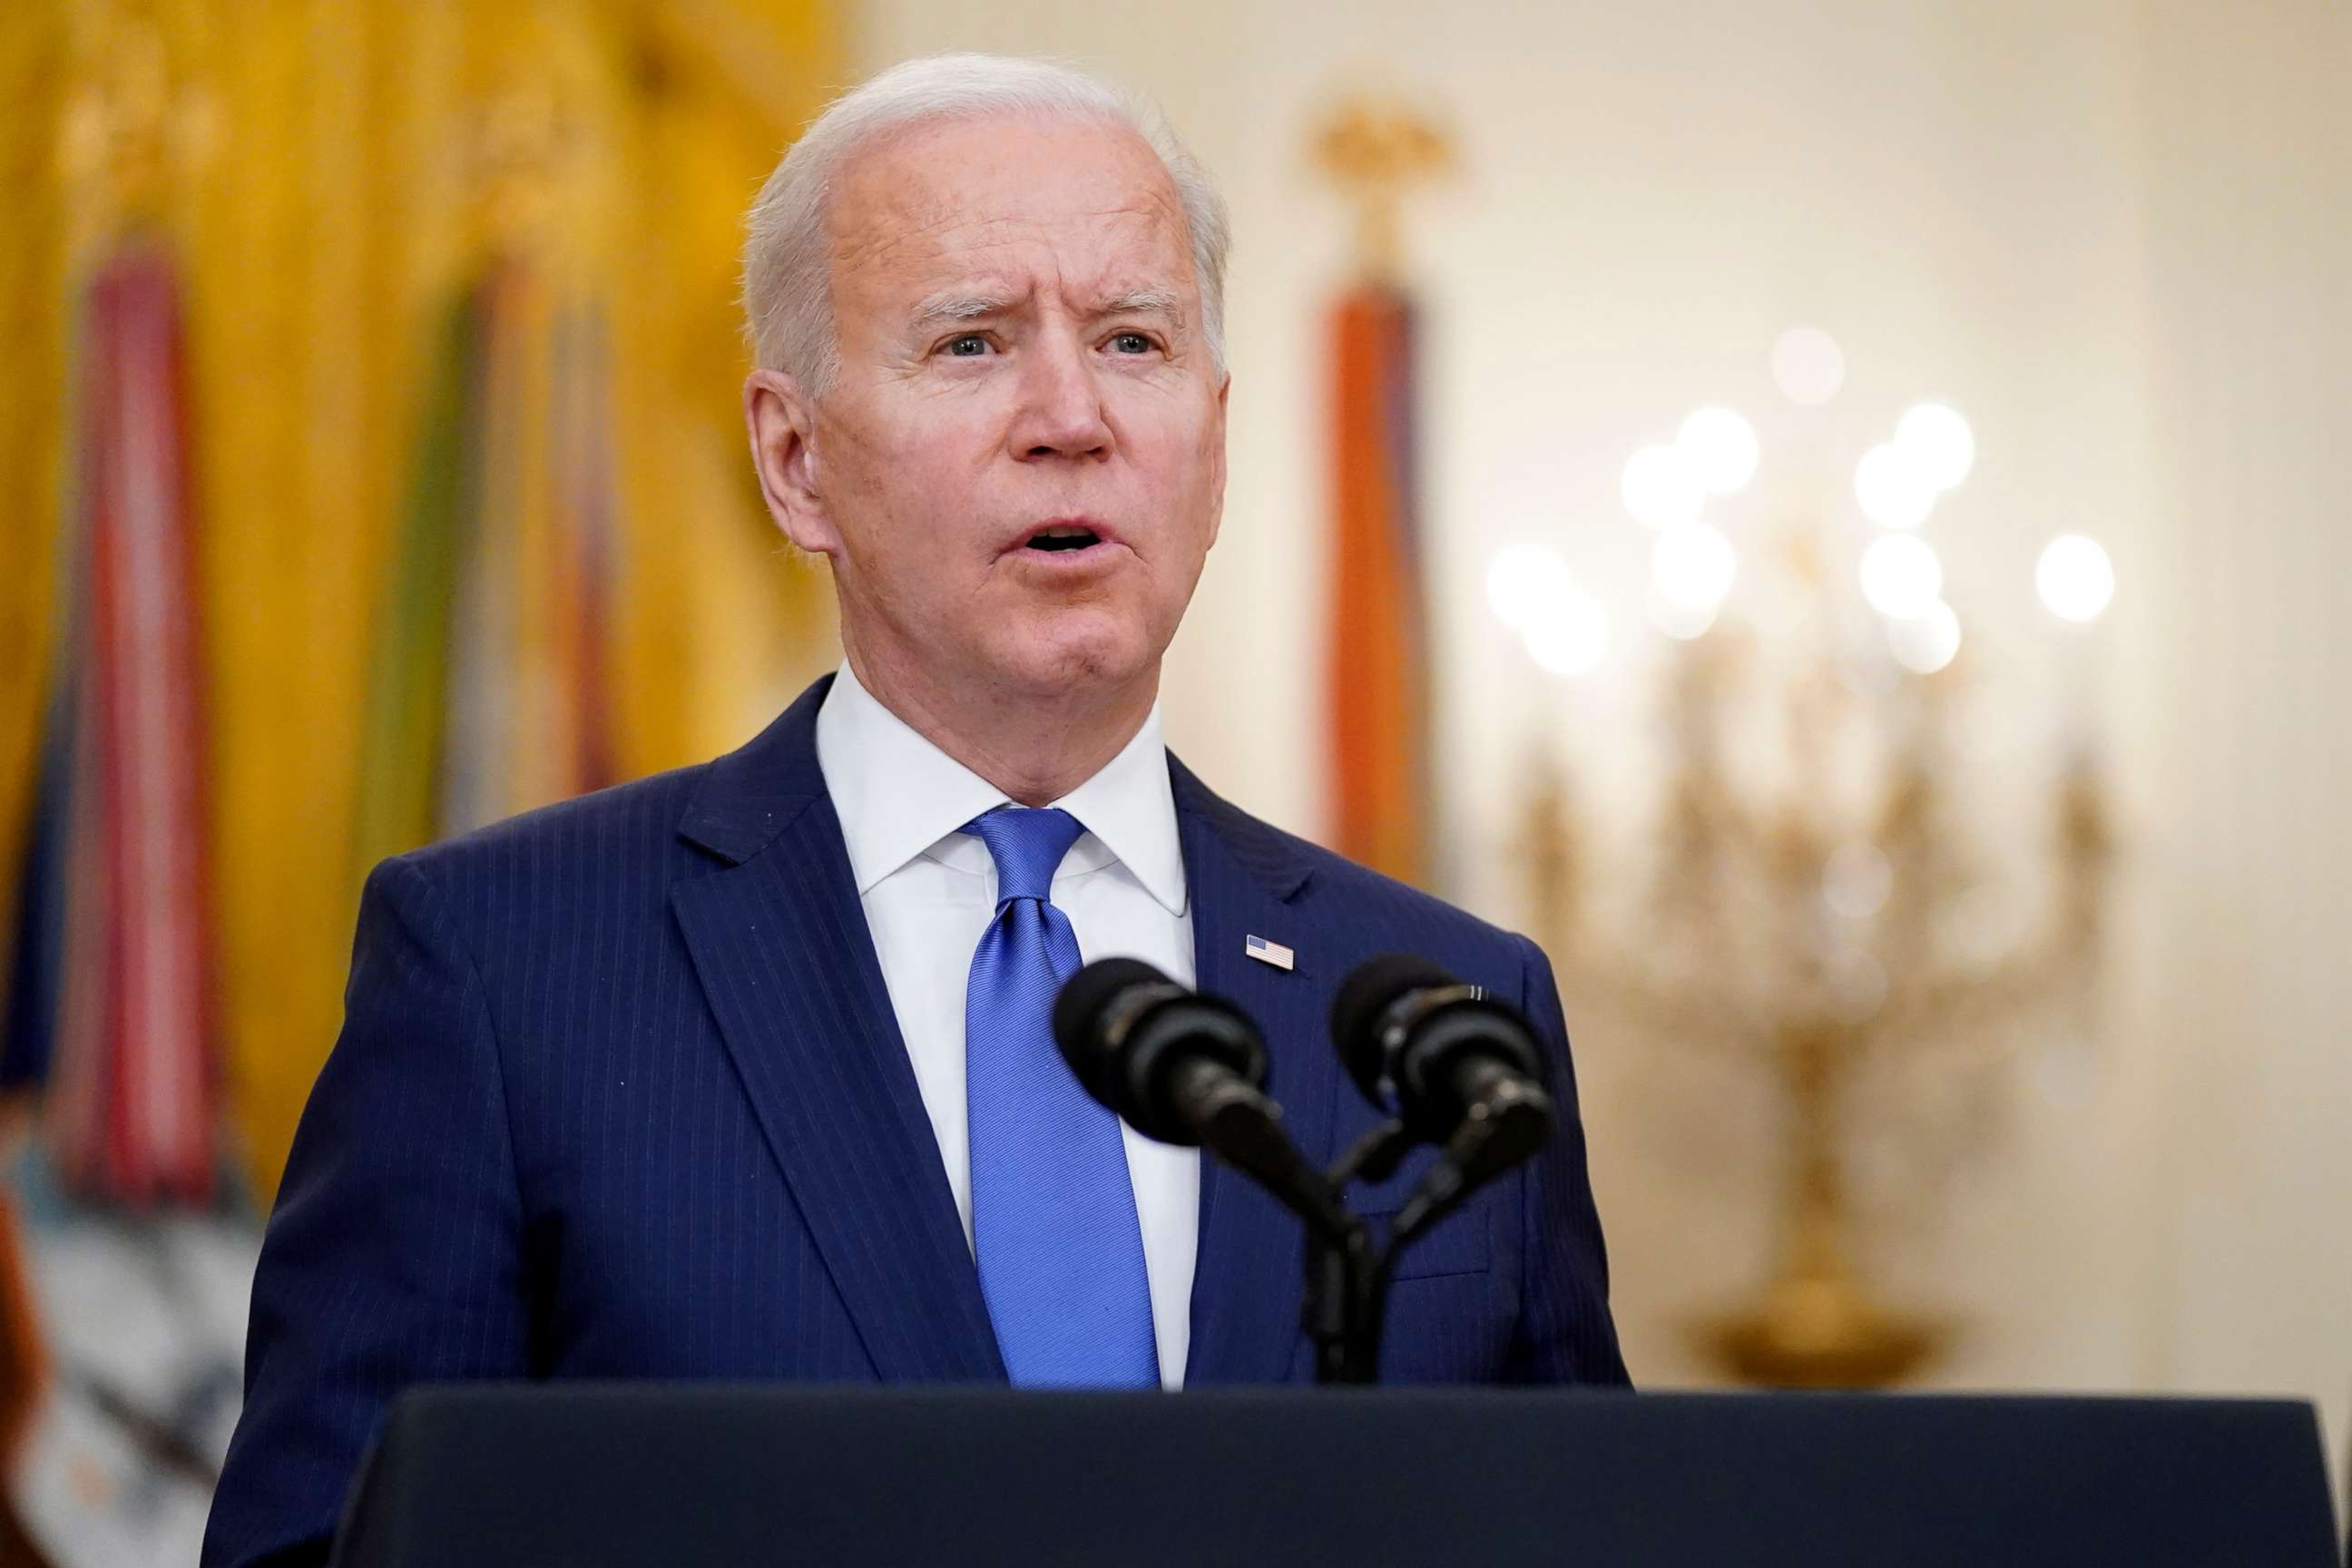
<point x="110" y="999"/>
<point x="1378" y="671"/>
<point x="488" y="690"/>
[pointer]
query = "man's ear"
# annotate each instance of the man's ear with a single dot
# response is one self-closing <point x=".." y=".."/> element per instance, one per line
<point x="781" y="421"/>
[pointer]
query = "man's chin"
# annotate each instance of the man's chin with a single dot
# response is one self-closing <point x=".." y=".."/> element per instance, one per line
<point x="1067" y="661"/>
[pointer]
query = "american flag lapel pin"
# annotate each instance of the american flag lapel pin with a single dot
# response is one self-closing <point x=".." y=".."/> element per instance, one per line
<point x="1266" y="952"/>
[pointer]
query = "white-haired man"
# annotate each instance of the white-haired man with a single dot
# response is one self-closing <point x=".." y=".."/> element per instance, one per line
<point x="743" y="1071"/>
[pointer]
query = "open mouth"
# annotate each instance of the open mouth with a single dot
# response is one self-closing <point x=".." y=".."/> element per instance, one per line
<point x="1057" y="540"/>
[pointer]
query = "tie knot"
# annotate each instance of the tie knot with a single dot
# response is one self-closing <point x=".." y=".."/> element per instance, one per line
<point x="1027" y="846"/>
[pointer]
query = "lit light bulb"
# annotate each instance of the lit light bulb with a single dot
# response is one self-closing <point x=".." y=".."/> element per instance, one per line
<point x="1659" y="489"/>
<point x="1570" y="636"/>
<point x="1807" y="365"/>
<point x="1936" y="440"/>
<point x="1718" y="448"/>
<point x="2074" y="577"/>
<point x="1891" y="490"/>
<point x="1901" y="575"/>
<point x="1524" y="580"/>
<point x="1926" y="643"/>
<point x="1693" y="566"/>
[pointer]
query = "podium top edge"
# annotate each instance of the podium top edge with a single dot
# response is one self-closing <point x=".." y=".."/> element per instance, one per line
<point x="643" y="1390"/>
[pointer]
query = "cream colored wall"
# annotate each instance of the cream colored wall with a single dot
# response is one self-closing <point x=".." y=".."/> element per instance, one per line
<point x="2117" y="238"/>
<point x="2242" y="703"/>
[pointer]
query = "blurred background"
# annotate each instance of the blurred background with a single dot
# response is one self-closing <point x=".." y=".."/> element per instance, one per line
<point x="1828" y="514"/>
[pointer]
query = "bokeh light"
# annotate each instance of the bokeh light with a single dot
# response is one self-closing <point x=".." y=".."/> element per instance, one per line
<point x="1693" y="566"/>
<point x="1718" y="448"/>
<point x="1659" y="489"/>
<point x="1681" y="622"/>
<point x="1937" y="444"/>
<point x="1571" y="636"/>
<point x="1524" y="582"/>
<point x="1891" y="489"/>
<point x="2074" y="577"/>
<point x="1807" y="365"/>
<point x="1926" y="643"/>
<point x="1901" y="576"/>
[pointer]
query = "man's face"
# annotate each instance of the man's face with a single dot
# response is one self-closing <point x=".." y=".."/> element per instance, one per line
<point x="1019" y="468"/>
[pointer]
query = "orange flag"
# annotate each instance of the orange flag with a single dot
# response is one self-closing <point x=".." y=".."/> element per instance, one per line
<point x="1378" y="654"/>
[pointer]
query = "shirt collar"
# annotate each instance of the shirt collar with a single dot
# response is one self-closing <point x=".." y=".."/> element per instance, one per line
<point x="898" y="795"/>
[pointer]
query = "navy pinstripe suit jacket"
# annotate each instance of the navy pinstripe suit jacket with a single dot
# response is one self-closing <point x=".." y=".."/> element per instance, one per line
<point x="620" y="1093"/>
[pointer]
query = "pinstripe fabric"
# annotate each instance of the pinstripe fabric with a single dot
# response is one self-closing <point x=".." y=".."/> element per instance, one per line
<point x="620" y="1093"/>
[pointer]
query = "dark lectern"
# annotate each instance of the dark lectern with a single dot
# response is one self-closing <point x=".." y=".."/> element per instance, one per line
<point x="683" y="1475"/>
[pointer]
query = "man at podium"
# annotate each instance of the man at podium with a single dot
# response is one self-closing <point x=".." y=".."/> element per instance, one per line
<point x="743" y="1071"/>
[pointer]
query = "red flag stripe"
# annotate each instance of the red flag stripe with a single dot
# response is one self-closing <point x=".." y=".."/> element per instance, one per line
<point x="135" y="1086"/>
<point x="164" y="1050"/>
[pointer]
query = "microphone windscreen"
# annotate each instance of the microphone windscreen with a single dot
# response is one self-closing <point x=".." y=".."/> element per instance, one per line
<point x="1372" y="988"/>
<point x="1088" y="995"/>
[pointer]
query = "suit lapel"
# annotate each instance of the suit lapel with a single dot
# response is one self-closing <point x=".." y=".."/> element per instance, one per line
<point x="1243" y="880"/>
<point x="780" y="945"/>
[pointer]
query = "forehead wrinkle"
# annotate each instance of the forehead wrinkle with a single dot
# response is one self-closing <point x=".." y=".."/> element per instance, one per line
<point x="994" y="253"/>
<point x="905" y="220"/>
<point x="874" y="245"/>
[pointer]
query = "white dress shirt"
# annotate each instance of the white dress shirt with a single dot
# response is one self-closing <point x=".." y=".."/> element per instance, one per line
<point x="929" y="890"/>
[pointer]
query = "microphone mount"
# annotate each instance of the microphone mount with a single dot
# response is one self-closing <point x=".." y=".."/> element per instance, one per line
<point x="1184" y="1067"/>
<point x="1348" y="1273"/>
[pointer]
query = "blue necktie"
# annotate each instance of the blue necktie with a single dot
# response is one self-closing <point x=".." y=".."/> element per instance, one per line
<point x="1053" y="1215"/>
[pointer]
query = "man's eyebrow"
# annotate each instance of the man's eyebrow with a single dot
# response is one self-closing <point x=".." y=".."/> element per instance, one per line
<point x="952" y="306"/>
<point x="1143" y="302"/>
<point x="941" y="310"/>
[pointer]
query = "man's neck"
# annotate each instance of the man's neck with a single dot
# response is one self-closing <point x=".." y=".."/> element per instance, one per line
<point x="1036" y="749"/>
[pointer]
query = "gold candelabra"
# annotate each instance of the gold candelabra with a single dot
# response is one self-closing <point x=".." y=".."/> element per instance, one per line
<point x="1816" y="942"/>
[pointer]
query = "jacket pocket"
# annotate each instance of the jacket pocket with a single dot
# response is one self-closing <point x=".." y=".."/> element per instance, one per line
<point x="1454" y="1245"/>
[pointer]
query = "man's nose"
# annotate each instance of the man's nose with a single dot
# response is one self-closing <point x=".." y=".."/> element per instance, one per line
<point x="1061" y="413"/>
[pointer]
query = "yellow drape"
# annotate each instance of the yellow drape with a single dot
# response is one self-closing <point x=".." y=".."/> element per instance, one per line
<point x="328" y="169"/>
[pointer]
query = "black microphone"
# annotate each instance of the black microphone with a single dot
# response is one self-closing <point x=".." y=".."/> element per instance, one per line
<point x="1444" y="1056"/>
<point x="1165" y="1058"/>
<point x="1186" y="1068"/>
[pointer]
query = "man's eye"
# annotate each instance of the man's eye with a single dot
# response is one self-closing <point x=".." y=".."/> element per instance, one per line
<point x="1131" y="343"/>
<point x="971" y="346"/>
